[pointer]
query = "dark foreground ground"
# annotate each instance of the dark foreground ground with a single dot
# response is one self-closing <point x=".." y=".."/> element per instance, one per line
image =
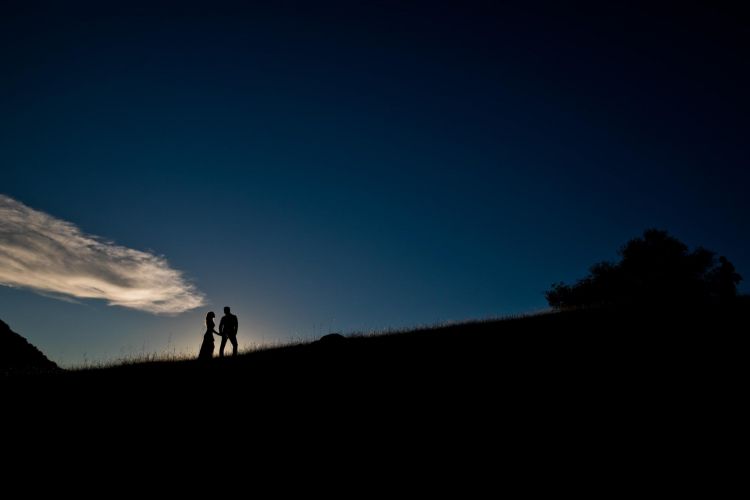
<point x="618" y="396"/>
<point x="563" y="357"/>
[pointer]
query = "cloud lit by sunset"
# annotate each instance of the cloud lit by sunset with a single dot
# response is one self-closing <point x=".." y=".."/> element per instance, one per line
<point x="49" y="255"/>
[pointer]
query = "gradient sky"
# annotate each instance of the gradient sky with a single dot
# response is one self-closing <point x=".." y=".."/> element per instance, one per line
<point x="364" y="165"/>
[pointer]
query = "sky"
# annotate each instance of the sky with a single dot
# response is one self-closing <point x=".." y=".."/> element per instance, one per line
<point x="353" y="166"/>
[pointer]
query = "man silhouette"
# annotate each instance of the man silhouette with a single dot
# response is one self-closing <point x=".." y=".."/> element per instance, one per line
<point x="228" y="330"/>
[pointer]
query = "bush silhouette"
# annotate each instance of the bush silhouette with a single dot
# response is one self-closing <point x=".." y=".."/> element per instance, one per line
<point x="655" y="269"/>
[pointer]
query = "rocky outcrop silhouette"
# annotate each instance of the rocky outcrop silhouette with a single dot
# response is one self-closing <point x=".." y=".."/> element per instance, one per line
<point x="332" y="339"/>
<point x="17" y="355"/>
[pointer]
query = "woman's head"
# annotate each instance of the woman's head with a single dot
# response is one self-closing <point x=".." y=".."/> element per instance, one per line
<point x="210" y="316"/>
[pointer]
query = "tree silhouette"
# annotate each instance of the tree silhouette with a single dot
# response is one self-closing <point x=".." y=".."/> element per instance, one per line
<point x="655" y="269"/>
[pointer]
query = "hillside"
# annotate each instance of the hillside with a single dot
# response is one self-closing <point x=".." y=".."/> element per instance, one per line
<point x="580" y="347"/>
<point x="548" y="396"/>
<point x="17" y="355"/>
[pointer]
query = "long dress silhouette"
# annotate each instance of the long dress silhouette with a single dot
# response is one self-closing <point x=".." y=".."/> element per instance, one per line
<point x="207" y="347"/>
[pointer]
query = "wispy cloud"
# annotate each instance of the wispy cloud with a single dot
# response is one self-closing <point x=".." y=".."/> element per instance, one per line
<point x="49" y="255"/>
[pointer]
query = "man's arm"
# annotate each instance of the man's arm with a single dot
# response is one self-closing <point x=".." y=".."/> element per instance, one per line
<point x="221" y="326"/>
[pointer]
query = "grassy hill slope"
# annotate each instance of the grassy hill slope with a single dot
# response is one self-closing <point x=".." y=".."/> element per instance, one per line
<point x="582" y="348"/>
<point x="584" y="398"/>
<point x="19" y="357"/>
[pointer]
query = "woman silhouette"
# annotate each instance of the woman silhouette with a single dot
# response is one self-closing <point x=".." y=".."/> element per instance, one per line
<point x="207" y="347"/>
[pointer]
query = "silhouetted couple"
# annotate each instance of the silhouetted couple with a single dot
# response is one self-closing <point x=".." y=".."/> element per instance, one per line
<point x="227" y="330"/>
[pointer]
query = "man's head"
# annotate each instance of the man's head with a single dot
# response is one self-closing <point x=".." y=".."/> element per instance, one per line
<point x="226" y="310"/>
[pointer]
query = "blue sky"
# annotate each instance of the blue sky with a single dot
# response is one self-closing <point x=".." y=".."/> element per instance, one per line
<point x="360" y="166"/>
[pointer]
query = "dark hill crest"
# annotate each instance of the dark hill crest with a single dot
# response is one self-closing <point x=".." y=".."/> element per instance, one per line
<point x="17" y="355"/>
